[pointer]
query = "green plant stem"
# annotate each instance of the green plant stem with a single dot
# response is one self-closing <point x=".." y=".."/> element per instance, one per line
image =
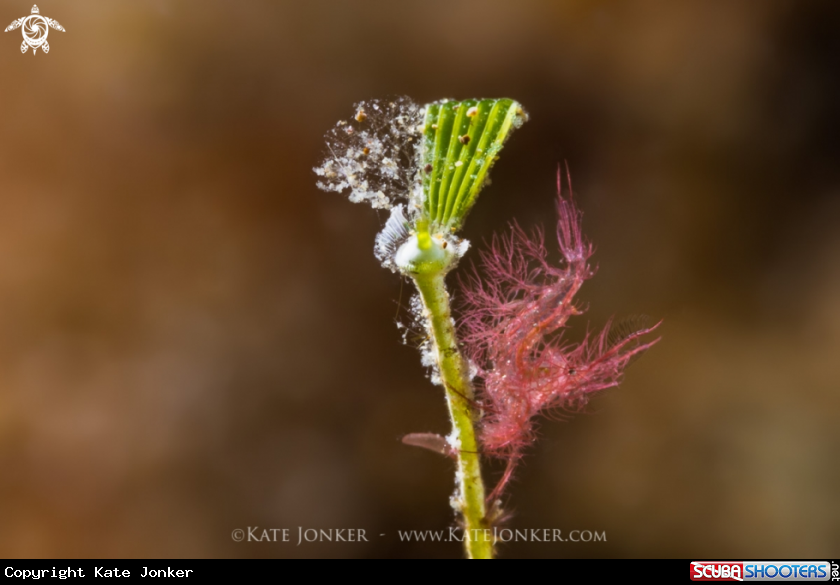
<point x="459" y="396"/>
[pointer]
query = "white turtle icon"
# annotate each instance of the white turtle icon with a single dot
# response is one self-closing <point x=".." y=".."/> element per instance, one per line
<point x="35" y="30"/>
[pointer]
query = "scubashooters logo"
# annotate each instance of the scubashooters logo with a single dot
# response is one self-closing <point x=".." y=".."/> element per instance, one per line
<point x="791" y="571"/>
<point x="35" y="29"/>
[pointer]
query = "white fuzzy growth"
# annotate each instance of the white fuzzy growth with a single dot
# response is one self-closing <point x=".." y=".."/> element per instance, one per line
<point x="459" y="477"/>
<point x="416" y="198"/>
<point x="375" y="155"/>
<point x="418" y="310"/>
<point x="458" y="246"/>
<point x="456" y="501"/>
<point x="453" y="439"/>
<point x="427" y="357"/>
<point x="428" y="352"/>
<point x="392" y="236"/>
<point x="472" y="370"/>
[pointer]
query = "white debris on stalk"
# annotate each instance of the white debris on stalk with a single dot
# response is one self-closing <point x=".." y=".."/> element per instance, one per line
<point x="428" y="354"/>
<point x="456" y="502"/>
<point x="453" y="439"/>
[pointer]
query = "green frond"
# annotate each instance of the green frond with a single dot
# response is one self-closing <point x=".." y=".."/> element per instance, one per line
<point x="462" y="140"/>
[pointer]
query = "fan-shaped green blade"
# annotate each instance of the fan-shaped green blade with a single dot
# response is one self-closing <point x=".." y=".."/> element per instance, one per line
<point x="461" y="142"/>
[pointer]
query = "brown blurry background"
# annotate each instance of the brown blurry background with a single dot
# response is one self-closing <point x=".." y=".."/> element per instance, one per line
<point x="194" y="339"/>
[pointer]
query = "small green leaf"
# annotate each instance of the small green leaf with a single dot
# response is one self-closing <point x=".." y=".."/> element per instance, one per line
<point x="462" y="140"/>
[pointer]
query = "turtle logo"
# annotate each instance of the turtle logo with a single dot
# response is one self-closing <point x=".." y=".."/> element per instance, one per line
<point x="35" y="30"/>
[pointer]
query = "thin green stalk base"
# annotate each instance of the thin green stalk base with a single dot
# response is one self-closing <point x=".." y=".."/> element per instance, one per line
<point x="459" y="395"/>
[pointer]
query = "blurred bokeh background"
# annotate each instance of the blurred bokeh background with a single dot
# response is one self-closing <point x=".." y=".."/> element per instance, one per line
<point x="194" y="339"/>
